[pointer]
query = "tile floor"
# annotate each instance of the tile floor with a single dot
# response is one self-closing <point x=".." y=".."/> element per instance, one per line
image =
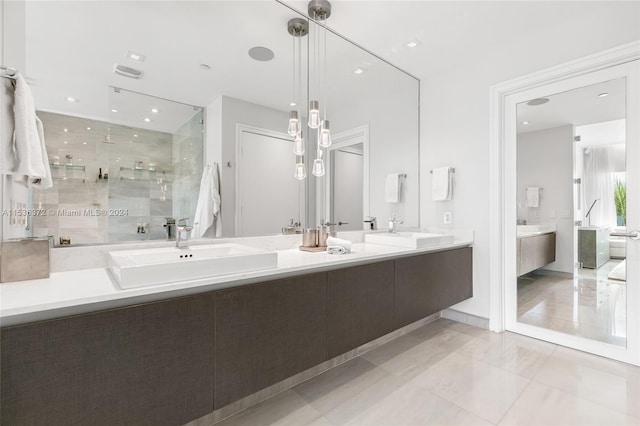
<point x="448" y="373"/>
<point x="590" y="306"/>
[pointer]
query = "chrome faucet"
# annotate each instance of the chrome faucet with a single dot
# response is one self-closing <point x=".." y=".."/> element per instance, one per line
<point x="393" y="224"/>
<point x="371" y="221"/>
<point x="184" y="233"/>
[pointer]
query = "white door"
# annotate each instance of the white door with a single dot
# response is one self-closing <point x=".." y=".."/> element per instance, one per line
<point x="625" y="317"/>
<point x="268" y="196"/>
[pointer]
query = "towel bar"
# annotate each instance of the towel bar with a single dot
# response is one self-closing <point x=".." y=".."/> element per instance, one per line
<point x="452" y="170"/>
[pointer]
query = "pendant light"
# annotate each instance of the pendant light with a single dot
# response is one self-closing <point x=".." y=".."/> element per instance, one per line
<point x="319" y="11"/>
<point x="297" y="28"/>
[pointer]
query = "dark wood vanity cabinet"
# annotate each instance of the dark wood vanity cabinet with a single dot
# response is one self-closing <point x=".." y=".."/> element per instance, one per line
<point x="429" y="283"/>
<point x="172" y="361"/>
<point x="359" y="305"/>
<point x="268" y="332"/>
<point x="149" y="364"/>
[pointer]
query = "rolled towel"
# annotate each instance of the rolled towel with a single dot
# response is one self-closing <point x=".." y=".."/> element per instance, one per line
<point x="336" y="250"/>
<point x="339" y="242"/>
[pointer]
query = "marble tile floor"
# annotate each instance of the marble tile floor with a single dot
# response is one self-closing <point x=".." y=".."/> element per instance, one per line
<point x="589" y="305"/>
<point x="448" y="373"/>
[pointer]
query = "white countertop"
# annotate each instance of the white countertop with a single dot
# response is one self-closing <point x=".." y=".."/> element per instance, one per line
<point x="88" y="290"/>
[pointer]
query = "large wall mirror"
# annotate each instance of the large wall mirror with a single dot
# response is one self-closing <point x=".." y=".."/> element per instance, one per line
<point x="139" y="98"/>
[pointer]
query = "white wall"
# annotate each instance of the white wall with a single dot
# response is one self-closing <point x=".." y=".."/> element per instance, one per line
<point x="545" y="160"/>
<point x="454" y="121"/>
<point x="391" y="113"/>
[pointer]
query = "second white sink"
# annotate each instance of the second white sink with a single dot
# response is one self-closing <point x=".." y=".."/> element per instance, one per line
<point x="137" y="268"/>
<point x="414" y="240"/>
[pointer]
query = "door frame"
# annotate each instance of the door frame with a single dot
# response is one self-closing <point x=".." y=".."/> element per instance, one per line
<point x="502" y="257"/>
<point x="342" y="140"/>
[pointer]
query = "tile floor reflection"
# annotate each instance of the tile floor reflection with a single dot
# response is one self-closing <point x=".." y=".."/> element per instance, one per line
<point x="590" y="305"/>
<point x="447" y="373"/>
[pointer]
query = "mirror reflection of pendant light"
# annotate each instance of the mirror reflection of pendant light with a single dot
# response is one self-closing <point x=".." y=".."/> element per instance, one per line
<point x="300" y="171"/>
<point x="297" y="28"/>
<point x="319" y="11"/>
<point x="318" y="165"/>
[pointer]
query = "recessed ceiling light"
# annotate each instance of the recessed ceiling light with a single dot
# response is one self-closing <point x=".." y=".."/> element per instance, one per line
<point x="135" y="136"/>
<point x="261" y="54"/>
<point x="66" y="130"/>
<point x="358" y="71"/>
<point x="88" y="128"/>
<point x="114" y="110"/>
<point x="148" y="120"/>
<point x="414" y="43"/>
<point x="292" y="104"/>
<point x="185" y="158"/>
<point x="65" y="142"/>
<point x="154" y="110"/>
<point x="525" y="122"/>
<point x="135" y="56"/>
<point x="538" y="101"/>
<point x="84" y="143"/>
<point x="72" y="99"/>
<point x="205" y="67"/>
<point x="602" y="95"/>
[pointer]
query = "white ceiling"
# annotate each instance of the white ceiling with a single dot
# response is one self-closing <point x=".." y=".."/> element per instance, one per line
<point x="72" y="46"/>
<point x="458" y="33"/>
<point x="576" y="107"/>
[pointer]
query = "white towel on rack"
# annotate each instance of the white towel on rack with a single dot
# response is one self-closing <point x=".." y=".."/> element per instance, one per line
<point x="533" y="196"/>
<point x="442" y="184"/>
<point x="207" y="220"/>
<point x="30" y="150"/>
<point x="392" y="188"/>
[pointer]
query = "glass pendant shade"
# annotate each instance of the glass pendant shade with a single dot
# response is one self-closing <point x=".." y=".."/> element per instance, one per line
<point x="325" y="135"/>
<point x="294" y="123"/>
<point x="314" y="114"/>
<point x="300" y="171"/>
<point x="298" y="144"/>
<point x="318" y="167"/>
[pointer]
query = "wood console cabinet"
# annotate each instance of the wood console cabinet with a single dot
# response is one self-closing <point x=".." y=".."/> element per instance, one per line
<point x="535" y="251"/>
<point x="148" y="364"/>
<point x="267" y="332"/>
<point x="431" y="282"/>
<point x="359" y="305"/>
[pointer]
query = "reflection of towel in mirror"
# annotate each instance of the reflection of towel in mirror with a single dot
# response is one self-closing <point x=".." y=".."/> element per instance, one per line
<point x="533" y="196"/>
<point x="392" y="187"/>
<point x="207" y="221"/>
<point x="30" y="149"/>
<point x="442" y="184"/>
<point x="7" y="155"/>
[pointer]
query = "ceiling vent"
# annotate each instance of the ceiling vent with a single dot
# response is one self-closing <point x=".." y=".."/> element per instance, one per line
<point x="127" y="71"/>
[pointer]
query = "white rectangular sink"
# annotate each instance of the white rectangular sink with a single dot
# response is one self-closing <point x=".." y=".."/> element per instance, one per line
<point x="144" y="267"/>
<point x="414" y="240"/>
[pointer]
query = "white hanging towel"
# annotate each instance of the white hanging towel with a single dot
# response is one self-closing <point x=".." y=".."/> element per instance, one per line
<point x="30" y="150"/>
<point x="207" y="220"/>
<point x="533" y="196"/>
<point x="392" y="187"/>
<point x="7" y="121"/>
<point x="442" y="184"/>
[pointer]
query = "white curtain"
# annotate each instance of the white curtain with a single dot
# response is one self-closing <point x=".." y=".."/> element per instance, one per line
<point x="599" y="184"/>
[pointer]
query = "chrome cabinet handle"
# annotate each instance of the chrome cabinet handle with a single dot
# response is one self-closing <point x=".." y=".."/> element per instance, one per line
<point x="634" y="235"/>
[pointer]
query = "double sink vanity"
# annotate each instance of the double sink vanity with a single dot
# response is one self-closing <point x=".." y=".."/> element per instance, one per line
<point x="167" y="335"/>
